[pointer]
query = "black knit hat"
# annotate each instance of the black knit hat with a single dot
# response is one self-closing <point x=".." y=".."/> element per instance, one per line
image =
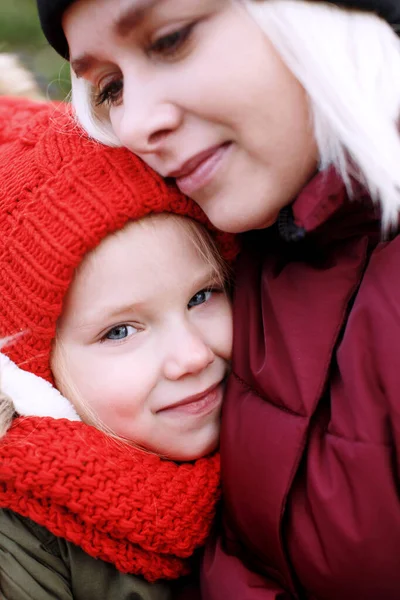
<point x="51" y="12"/>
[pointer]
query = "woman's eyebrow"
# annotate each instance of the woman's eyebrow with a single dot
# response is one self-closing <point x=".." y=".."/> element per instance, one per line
<point x="82" y="64"/>
<point x="133" y="16"/>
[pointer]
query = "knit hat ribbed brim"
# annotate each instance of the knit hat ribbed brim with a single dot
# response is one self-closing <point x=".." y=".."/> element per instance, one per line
<point x="51" y="12"/>
<point x="61" y="194"/>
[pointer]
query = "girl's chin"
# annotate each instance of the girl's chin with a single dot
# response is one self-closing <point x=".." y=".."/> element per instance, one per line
<point x="190" y="454"/>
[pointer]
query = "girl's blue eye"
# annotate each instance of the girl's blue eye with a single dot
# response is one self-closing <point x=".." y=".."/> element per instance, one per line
<point x="200" y="298"/>
<point x="119" y="332"/>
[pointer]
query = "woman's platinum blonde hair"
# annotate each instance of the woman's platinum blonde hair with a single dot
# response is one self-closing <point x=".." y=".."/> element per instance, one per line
<point x="349" y="64"/>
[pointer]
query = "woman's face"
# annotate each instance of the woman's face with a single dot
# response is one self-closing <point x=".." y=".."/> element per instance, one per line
<point x="199" y="93"/>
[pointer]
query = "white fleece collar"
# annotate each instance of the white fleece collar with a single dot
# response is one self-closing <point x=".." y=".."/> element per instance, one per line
<point x="33" y="396"/>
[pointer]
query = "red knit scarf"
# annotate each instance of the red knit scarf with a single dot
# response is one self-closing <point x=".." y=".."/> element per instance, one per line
<point x="122" y="505"/>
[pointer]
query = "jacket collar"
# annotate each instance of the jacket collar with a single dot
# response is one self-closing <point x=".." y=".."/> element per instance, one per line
<point x="319" y="200"/>
<point x="325" y="199"/>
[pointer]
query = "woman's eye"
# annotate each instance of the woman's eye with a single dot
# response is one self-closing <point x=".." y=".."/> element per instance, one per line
<point x="168" y="45"/>
<point x="200" y="298"/>
<point x="119" y="332"/>
<point x="110" y="94"/>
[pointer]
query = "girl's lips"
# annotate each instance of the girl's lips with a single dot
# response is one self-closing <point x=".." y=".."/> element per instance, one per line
<point x="203" y="170"/>
<point x="198" y="405"/>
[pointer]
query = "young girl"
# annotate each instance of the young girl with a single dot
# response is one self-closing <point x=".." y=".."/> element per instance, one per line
<point x="280" y="116"/>
<point x="126" y="311"/>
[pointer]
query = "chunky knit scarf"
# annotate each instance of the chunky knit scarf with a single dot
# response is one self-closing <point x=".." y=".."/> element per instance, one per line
<point x="144" y="514"/>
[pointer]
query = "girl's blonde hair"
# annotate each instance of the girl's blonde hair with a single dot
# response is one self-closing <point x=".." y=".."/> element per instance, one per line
<point x="349" y="63"/>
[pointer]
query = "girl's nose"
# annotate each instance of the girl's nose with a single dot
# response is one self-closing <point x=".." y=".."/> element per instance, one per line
<point x="146" y="120"/>
<point x="187" y="354"/>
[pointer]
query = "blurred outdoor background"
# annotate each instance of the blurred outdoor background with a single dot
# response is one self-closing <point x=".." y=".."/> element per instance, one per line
<point x="20" y="33"/>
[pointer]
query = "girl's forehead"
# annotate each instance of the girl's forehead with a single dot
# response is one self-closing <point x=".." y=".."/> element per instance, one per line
<point x="144" y="241"/>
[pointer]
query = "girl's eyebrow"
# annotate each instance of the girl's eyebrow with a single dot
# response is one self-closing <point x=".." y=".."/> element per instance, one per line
<point x="110" y="312"/>
<point x="92" y="319"/>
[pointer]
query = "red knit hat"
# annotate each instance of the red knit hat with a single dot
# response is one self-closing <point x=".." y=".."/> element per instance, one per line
<point x="60" y="195"/>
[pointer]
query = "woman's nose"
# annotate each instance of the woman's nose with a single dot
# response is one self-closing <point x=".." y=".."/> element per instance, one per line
<point x="187" y="353"/>
<point x="146" y="120"/>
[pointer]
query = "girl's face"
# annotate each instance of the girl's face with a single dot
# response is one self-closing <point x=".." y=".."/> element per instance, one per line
<point x="145" y="340"/>
<point x="198" y="92"/>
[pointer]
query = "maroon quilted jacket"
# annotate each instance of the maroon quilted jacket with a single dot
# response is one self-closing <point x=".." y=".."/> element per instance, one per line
<point x="311" y="423"/>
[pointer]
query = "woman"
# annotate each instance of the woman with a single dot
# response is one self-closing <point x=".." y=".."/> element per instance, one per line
<point x="279" y="116"/>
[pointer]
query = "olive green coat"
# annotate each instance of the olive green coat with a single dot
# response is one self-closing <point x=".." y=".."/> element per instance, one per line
<point x="36" y="565"/>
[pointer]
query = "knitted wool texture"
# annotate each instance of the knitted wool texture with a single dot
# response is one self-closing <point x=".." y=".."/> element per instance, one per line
<point x="60" y="195"/>
<point x="143" y="514"/>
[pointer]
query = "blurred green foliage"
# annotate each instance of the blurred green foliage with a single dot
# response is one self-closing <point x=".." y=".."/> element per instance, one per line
<point x="21" y="34"/>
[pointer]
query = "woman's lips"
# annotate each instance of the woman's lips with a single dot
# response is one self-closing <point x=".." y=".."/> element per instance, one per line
<point x="199" y="171"/>
<point x="199" y="404"/>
